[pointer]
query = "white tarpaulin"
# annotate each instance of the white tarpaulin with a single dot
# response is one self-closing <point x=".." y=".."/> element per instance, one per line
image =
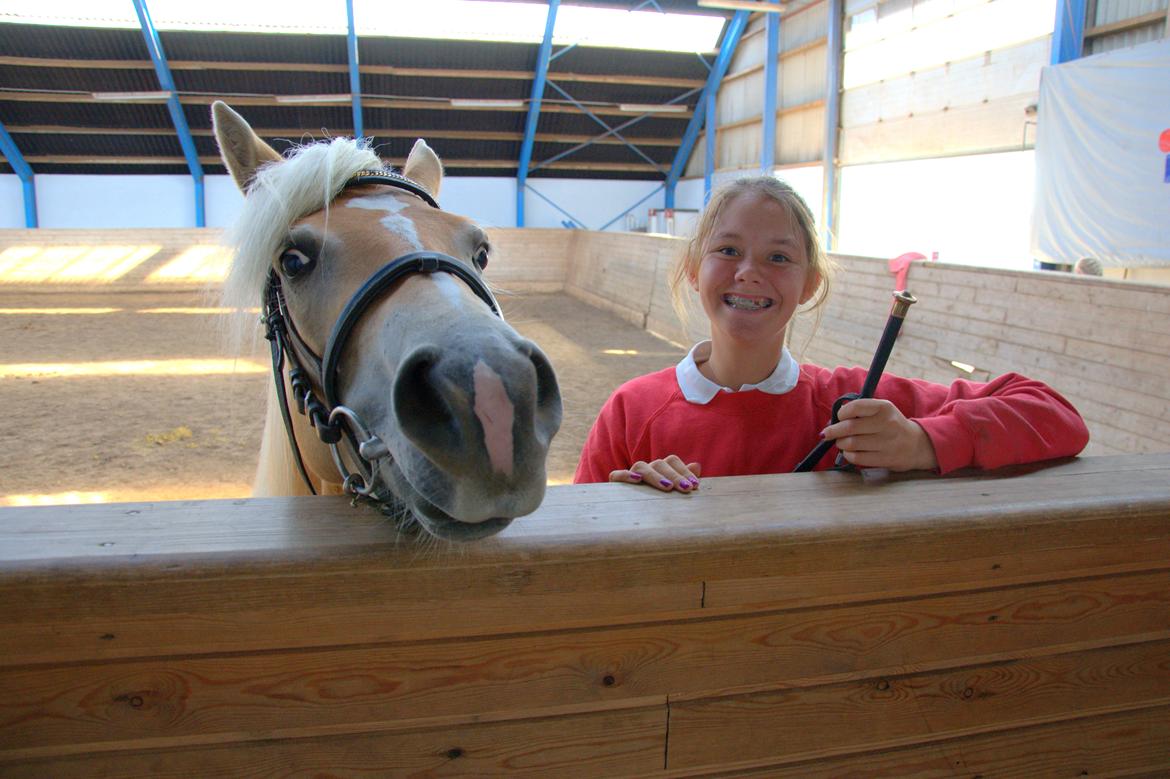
<point x="1103" y="159"/>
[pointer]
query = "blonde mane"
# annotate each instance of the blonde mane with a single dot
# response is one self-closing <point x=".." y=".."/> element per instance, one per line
<point x="280" y="194"/>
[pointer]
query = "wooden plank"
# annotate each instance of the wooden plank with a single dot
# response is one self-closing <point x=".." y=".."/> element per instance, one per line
<point x="873" y="714"/>
<point x="1130" y="744"/>
<point x="322" y="67"/>
<point x="131" y="580"/>
<point x="589" y="745"/>
<point x="161" y="702"/>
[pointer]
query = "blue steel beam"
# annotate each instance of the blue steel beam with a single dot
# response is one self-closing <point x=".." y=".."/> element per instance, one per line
<point x="542" y="61"/>
<point x="831" y="172"/>
<point x="154" y="46"/>
<point x="355" y="79"/>
<point x="709" y="161"/>
<point x="771" y="58"/>
<point x="635" y="205"/>
<point x="16" y="160"/>
<point x="574" y="219"/>
<point x="609" y="130"/>
<point x="731" y="38"/>
<point x="1068" y="33"/>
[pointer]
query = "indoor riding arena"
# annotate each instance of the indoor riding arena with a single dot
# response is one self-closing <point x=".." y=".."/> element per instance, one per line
<point x="173" y="600"/>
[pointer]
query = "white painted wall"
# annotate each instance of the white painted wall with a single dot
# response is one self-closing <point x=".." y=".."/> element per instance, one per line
<point x="77" y="201"/>
<point x="591" y="202"/>
<point x="11" y="201"/>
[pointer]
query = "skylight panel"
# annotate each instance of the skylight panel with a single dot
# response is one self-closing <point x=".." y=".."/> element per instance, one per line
<point x="436" y="19"/>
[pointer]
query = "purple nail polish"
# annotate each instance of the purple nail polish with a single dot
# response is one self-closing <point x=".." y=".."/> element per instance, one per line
<point x="684" y="484"/>
<point x="635" y="476"/>
<point x="666" y="482"/>
<point x="695" y="483"/>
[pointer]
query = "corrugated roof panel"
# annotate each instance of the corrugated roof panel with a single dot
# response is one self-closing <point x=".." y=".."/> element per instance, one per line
<point x="260" y="82"/>
<point x="79" y="79"/>
<point x="253" y="47"/>
<point x="35" y="40"/>
<point x="90" y="114"/>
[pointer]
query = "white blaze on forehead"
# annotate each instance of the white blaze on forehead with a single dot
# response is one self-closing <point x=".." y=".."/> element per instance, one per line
<point x="395" y="222"/>
<point x="495" y="413"/>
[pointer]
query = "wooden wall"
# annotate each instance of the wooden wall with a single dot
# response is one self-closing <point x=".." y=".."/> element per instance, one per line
<point x="795" y="625"/>
<point x="1102" y="342"/>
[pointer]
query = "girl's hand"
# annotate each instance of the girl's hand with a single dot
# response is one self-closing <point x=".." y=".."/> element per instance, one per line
<point x="669" y="473"/>
<point x="873" y="433"/>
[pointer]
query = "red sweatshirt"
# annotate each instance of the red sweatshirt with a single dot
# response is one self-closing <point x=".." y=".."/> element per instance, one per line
<point x="1010" y="420"/>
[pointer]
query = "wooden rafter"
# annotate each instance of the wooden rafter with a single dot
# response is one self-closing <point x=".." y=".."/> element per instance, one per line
<point x="369" y="101"/>
<point x="376" y="132"/>
<point x="379" y="70"/>
<point x="448" y="162"/>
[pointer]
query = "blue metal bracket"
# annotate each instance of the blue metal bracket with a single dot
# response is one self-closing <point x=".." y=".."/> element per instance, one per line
<point x="154" y="46"/>
<point x="22" y="169"/>
<point x="542" y="61"/>
<point x="563" y="51"/>
<point x="355" y="79"/>
<point x="731" y="38"/>
<point x="771" y="59"/>
<point x="1068" y="33"/>
<point x="834" y="42"/>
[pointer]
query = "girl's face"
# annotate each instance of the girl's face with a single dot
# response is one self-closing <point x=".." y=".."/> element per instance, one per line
<point x="754" y="272"/>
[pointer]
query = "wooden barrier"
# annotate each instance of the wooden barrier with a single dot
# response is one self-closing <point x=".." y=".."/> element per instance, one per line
<point x="796" y="625"/>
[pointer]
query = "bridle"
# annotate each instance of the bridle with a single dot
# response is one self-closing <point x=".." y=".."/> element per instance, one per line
<point x="309" y="373"/>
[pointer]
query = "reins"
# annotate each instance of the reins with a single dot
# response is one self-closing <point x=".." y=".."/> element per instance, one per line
<point x="326" y="414"/>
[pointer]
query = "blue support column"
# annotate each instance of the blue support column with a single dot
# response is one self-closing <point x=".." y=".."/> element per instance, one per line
<point x="542" y="61"/>
<point x="22" y="169"/>
<point x="832" y="174"/>
<point x="154" y="46"/>
<point x="731" y="38"/>
<point x="712" y="131"/>
<point x="355" y="80"/>
<point x="1068" y="34"/>
<point x="771" y="61"/>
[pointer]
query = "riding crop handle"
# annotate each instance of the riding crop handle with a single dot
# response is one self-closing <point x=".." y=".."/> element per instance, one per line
<point x="902" y="302"/>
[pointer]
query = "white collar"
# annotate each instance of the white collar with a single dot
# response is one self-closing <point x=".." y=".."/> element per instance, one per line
<point x="697" y="388"/>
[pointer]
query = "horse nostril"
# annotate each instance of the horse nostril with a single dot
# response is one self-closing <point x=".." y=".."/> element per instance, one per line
<point x="420" y="402"/>
<point x="548" y="393"/>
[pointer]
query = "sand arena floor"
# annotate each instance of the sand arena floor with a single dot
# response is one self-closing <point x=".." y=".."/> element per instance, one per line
<point x="127" y="396"/>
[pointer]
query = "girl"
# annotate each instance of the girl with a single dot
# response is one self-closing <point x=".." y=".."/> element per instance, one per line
<point x="739" y="404"/>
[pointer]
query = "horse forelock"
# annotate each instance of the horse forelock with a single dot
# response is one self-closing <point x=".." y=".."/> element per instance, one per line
<point x="280" y="194"/>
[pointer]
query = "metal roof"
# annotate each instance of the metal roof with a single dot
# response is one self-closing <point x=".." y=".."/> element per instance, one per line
<point x="48" y="75"/>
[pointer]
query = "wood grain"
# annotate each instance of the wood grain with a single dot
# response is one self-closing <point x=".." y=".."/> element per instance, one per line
<point x="603" y="744"/>
<point x="877" y="713"/>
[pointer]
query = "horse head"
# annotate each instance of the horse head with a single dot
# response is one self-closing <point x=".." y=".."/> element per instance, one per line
<point x="414" y="392"/>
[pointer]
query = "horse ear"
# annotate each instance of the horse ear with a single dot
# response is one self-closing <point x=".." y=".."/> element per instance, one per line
<point x="423" y="166"/>
<point x="241" y="149"/>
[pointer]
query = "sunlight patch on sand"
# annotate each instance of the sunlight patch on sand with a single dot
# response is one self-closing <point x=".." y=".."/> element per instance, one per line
<point x="132" y="495"/>
<point x="199" y="263"/>
<point x="62" y="370"/>
<point x="71" y="264"/>
<point x="56" y="311"/>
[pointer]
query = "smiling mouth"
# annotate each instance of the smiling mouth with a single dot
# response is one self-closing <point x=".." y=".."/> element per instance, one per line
<point x="742" y="303"/>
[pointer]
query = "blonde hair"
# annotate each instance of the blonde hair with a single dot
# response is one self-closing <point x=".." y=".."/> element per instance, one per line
<point x="686" y="267"/>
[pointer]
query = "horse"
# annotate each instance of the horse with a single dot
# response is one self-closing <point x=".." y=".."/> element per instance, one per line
<point x="413" y="393"/>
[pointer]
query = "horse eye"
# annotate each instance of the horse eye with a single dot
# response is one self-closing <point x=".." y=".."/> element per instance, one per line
<point x="481" y="257"/>
<point x="294" y="262"/>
